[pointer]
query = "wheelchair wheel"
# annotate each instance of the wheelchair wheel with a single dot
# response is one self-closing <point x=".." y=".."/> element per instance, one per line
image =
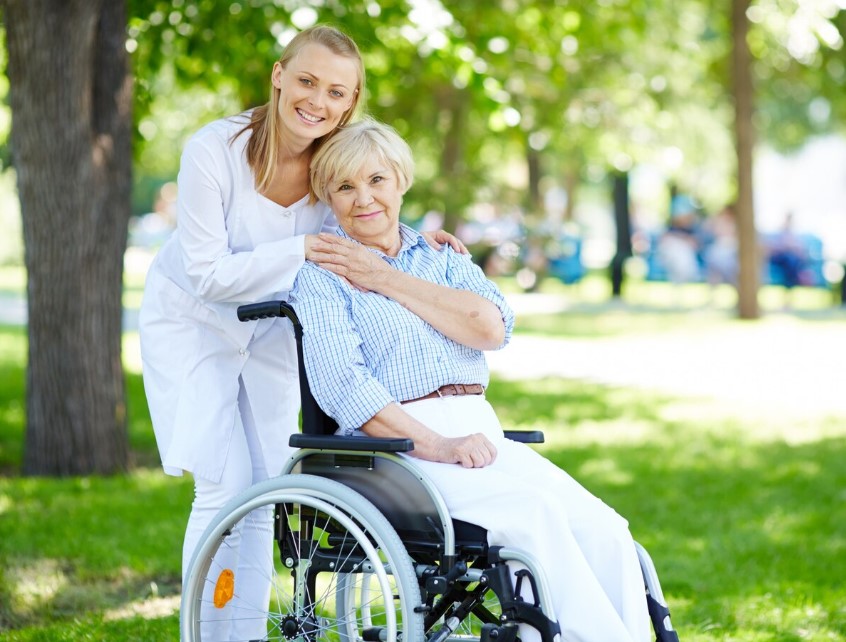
<point x="333" y="569"/>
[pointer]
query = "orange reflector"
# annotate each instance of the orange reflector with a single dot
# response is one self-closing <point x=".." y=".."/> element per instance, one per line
<point x="224" y="589"/>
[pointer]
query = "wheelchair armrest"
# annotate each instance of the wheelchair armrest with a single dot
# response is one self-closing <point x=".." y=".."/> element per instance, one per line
<point x="358" y="444"/>
<point x="525" y="436"/>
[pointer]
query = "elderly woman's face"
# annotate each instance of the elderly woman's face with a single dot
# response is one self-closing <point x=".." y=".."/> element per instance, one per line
<point x="367" y="204"/>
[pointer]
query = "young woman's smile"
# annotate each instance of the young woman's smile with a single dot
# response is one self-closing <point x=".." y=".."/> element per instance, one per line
<point x="316" y="89"/>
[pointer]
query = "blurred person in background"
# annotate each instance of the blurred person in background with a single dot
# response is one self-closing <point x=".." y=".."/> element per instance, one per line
<point x="679" y="245"/>
<point x="720" y="253"/>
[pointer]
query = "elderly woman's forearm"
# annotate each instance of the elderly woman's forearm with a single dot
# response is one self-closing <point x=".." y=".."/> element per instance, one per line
<point x="393" y="421"/>
<point x="461" y="315"/>
<point x="471" y="451"/>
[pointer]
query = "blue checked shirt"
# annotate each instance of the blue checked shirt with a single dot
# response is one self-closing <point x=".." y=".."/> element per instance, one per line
<point x="364" y="351"/>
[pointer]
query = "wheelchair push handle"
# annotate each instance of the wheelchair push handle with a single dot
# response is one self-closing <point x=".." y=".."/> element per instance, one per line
<point x="314" y="420"/>
<point x="266" y="310"/>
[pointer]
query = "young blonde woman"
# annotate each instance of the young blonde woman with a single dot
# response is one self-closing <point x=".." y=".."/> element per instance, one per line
<point x="223" y="395"/>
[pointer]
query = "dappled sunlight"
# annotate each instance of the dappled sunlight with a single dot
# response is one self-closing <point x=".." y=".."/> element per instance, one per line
<point x="777" y="368"/>
<point x="607" y="468"/>
<point x="112" y="554"/>
<point x="743" y="517"/>
<point x="617" y="432"/>
<point x="771" y="613"/>
<point x="32" y="586"/>
<point x="51" y="587"/>
<point x="151" y="608"/>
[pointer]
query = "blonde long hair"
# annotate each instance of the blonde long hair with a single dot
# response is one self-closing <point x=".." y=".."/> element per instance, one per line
<point x="263" y="146"/>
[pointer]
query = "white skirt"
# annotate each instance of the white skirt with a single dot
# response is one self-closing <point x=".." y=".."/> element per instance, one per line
<point x="524" y="501"/>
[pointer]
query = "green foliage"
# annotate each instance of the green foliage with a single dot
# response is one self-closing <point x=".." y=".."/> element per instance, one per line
<point x="477" y="87"/>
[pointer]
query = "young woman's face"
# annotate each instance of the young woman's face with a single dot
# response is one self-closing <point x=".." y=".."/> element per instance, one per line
<point x="367" y="204"/>
<point x="316" y="89"/>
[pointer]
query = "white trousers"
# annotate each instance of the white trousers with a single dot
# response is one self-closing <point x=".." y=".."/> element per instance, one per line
<point x="245" y="465"/>
<point x="525" y="501"/>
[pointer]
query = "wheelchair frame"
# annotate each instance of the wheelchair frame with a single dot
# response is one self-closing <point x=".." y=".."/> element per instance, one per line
<point x="393" y="564"/>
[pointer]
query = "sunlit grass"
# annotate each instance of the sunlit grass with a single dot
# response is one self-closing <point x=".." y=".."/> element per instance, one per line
<point x="78" y="547"/>
<point x="12" y="410"/>
<point x="661" y="298"/>
<point x="747" y="529"/>
<point x="745" y="517"/>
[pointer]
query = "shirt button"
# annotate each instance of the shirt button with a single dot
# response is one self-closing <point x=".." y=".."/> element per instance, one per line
<point x="244" y="352"/>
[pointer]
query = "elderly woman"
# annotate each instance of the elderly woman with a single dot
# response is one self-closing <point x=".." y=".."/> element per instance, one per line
<point x="388" y="367"/>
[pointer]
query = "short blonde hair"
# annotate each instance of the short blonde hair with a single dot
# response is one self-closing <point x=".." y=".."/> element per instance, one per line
<point x="343" y="153"/>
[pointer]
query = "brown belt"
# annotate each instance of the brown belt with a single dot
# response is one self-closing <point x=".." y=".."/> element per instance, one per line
<point x="452" y="390"/>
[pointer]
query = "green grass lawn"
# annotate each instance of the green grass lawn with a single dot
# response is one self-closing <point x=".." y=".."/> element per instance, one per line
<point x="745" y="520"/>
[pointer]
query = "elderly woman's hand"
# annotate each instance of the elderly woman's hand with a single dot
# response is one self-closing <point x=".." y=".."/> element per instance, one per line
<point x="472" y="451"/>
<point x="351" y="261"/>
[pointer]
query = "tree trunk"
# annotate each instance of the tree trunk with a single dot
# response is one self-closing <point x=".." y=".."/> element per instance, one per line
<point x="743" y="90"/>
<point x="571" y="186"/>
<point x="623" y="227"/>
<point x="535" y="198"/>
<point x="452" y="104"/>
<point x="70" y="92"/>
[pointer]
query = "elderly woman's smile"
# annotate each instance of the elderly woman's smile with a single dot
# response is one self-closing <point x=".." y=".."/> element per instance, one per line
<point x="367" y="205"/>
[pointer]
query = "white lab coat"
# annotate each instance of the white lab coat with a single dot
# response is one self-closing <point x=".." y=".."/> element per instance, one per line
<point x="231" y="246"/>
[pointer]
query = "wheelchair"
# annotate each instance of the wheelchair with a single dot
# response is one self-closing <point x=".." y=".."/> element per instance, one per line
<point x="364" y="550"/>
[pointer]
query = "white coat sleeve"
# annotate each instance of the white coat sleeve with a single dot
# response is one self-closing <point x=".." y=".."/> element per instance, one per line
<point x="216" y="272"/>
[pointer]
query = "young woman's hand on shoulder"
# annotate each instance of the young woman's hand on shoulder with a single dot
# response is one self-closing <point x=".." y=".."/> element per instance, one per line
<point x="351" y="261"/>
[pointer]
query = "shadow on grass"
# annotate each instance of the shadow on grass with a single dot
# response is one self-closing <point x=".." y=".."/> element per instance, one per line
<point x="73" y="546"/>
<point x="72" y="550"/>
<point x="748" y="533"/>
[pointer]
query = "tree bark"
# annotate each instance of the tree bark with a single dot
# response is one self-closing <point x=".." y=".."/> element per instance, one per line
<point x="535" y="204"/>
<point x="623" y="227"/>
<point x="452" y="105"/>
<point x="743" y="89"/>
<point x="70" y="93"/>
<point x="571" y="186"/>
